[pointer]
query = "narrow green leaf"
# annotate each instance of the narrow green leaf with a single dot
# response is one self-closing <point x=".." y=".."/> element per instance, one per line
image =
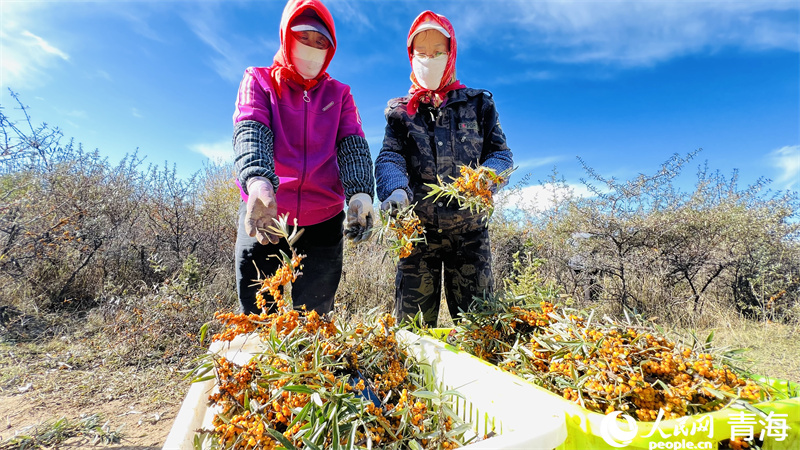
<point x="319" y="429"/>
<point x="459" y="430"/>
<point x="201" y="379"/>
<point x="425" y="394"/>
<point x="311" y="445"/>
<point x="281" y="438"/>
<point x="299" y="389"/>
<point x="351" y="441"/>
<point x="335" y="433"/>
<point x="302" y="414"/>
<point x="203" y="332"/>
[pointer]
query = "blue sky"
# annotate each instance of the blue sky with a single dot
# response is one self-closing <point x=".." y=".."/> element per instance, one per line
<point x="621" y="84"/>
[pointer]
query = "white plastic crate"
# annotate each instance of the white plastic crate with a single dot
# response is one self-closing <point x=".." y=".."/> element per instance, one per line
<point x="522" y="417"/>
<point x="494" y="401"/>
<point x="195" y="412"/>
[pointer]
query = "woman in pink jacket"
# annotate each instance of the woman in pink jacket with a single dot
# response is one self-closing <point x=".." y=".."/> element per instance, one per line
<point x="300" y="150"/>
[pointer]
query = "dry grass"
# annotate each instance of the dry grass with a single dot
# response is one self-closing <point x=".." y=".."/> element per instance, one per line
<point x="367" y="283"/>
<point x="772" y="349"/>
<point x="122" y="361"/>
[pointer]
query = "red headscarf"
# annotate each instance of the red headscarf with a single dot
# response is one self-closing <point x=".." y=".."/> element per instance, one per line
<point x="449" y="82"/>
<point x="282" y="67"/>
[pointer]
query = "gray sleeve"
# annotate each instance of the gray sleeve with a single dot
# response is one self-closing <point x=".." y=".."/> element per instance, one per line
<point x="355" y="166"/>
<point x="254" y="153"/>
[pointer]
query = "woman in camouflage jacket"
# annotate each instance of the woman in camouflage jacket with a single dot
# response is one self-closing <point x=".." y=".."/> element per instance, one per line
<point x="440" y="126"/>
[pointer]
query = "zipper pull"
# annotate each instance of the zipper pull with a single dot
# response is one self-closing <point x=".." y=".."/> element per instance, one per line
<point x="306" y="98"/>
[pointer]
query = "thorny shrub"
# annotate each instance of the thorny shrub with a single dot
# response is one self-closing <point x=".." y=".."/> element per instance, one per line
<point x="647" y="247"/>
<point x="160" y="324"/>
<point x="78" y="232"/>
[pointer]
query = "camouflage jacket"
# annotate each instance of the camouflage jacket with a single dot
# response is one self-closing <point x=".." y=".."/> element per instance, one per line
<point x="436" y="142"/>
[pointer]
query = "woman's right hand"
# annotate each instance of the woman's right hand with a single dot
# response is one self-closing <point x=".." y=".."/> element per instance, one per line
<point x="395" y="202"/>
<point x="261" y="210"/>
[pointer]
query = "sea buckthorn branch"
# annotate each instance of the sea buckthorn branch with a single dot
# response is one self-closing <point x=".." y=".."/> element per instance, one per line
<point x="607" y="365"/>
<point x="287" y="273"/>
<point x="401" y="232"/>
<point x="472" y="190"/>
<point x="306" y="388"/>
<point x="289" y="268"/>
<point x="280" y="228"/>
<point x="318" y="385"/>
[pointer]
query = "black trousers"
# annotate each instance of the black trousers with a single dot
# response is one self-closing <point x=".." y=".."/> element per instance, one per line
<point x="322" y="244"/>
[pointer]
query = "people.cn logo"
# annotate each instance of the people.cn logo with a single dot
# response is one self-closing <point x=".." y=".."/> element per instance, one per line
<point x="613" y="435"/>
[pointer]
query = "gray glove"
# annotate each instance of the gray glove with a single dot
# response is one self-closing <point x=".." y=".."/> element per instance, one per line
<point x="395" y="202"/>
<point x="261" y="210"/>
<point x="360" y="217"/>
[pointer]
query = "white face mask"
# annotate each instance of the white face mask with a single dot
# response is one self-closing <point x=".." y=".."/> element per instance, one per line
<point x="429" y="71"/>
<point x="307" y="60"/>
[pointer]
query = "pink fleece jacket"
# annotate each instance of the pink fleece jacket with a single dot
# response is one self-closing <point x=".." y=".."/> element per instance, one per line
<point x="307" y="126"/>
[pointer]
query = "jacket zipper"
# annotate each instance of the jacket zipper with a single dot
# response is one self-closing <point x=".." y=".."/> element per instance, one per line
<point x="306" y="99"/>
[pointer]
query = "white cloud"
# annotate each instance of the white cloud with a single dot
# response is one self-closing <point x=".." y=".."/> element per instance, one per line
<point x="77" y="113"/>
<point x="135" y="113"/>
<point x="218" y="152"/>
<point x="532" y="163"/>
<point x="139" y="21"/>
<point x="787" y="161"/>
<point x="103" y="74"/>
<point x="45" y="46"/>
<point x="528" y="75"/>
<point x="231" y="52"/>
<point x="26" y="59"/>
<point x="349" y="12"/>
<point x="540" y="198"/>
<point x="631" y="33"/>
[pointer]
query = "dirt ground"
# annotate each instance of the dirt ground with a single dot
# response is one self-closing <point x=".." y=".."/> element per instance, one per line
<point x="127" y="380"/>
<point x="140" y="404"/>
<point x="142" y="426"/>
